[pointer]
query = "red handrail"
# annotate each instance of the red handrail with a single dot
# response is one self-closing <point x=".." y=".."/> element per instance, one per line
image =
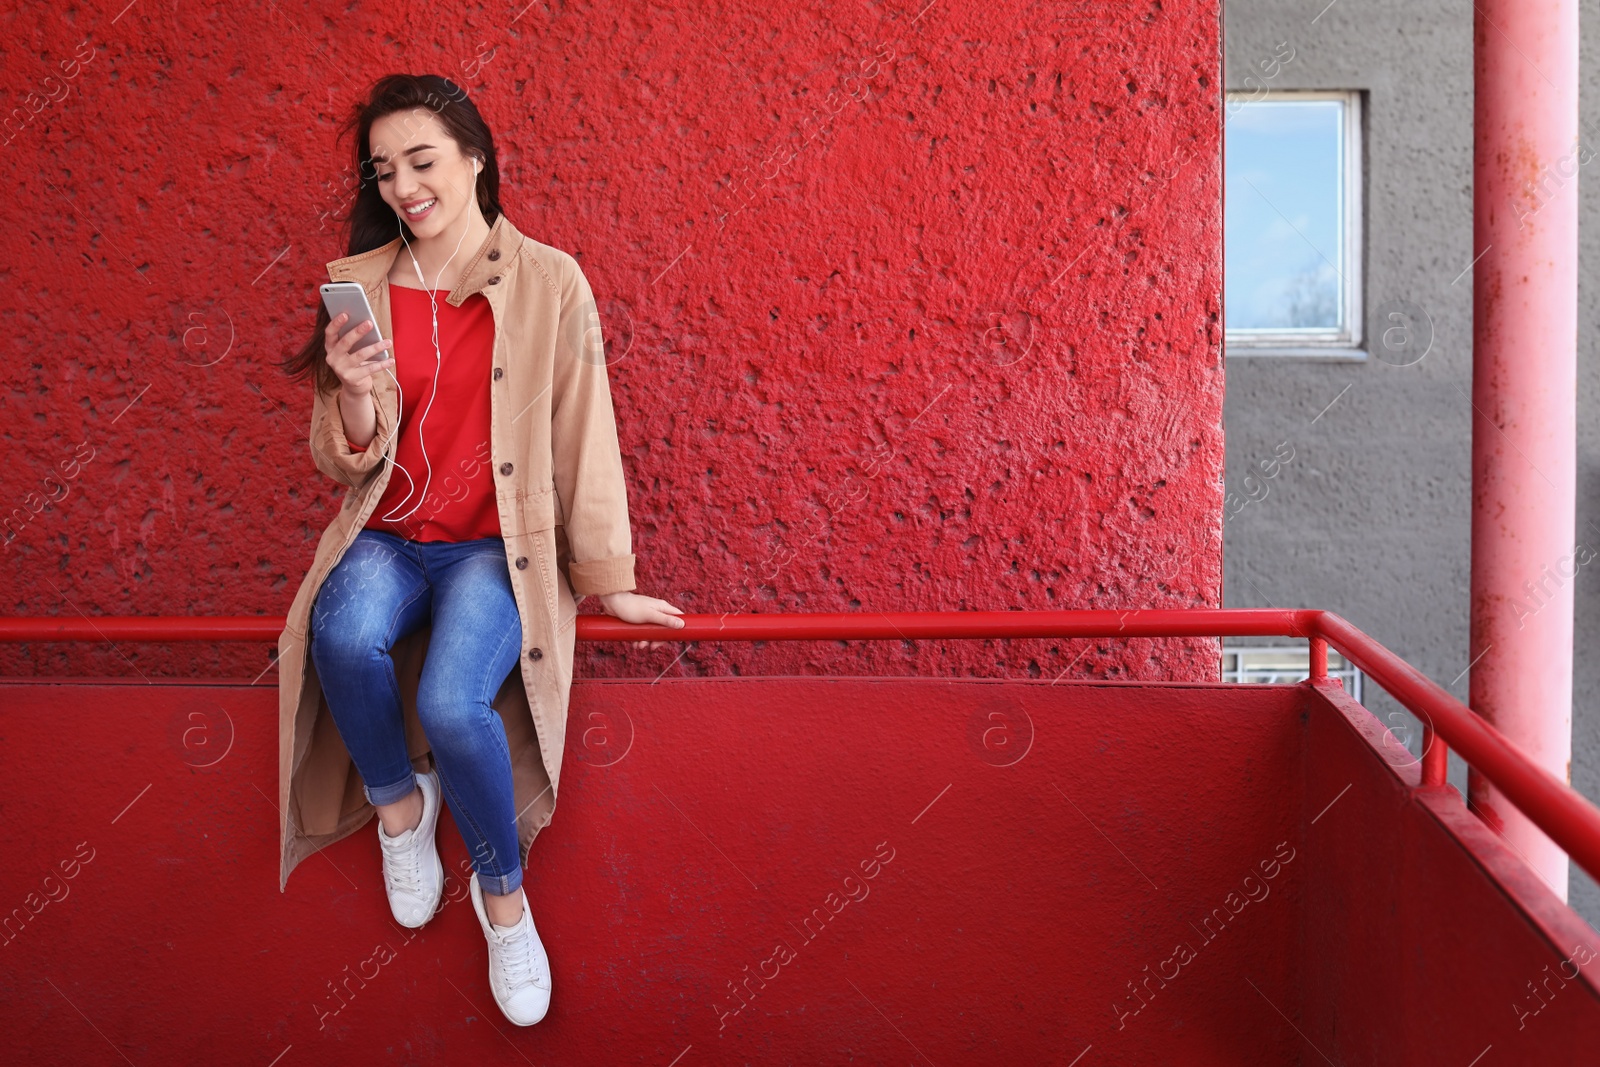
<point x="1560" y="811"/>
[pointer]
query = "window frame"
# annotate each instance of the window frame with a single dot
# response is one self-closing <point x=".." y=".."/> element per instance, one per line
<point x="1350" y="342"/>
<point x="1246" y="672"/>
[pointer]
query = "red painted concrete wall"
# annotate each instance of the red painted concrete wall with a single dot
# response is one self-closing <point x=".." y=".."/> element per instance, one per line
<point x="997" y="897"/>
<point x="911" y="307"/>
<point x="1135" y="875"/>
<point x="1433" y="940"/>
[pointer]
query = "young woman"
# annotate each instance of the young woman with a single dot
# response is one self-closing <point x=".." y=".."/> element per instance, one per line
<point x="485" y="495"/>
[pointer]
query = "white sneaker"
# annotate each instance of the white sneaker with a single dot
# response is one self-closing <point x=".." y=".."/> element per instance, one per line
<point x="413" y="874"/>
<point x="519" y="970"/>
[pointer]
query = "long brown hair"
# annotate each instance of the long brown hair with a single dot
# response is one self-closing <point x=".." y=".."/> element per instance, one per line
<point x="371" y="222"/>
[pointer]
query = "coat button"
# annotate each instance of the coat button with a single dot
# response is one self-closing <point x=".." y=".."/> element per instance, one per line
<point x="498" y="374"/>
<point x="522" y="563"/>
<point x="505" y="468"/>
<point x="534" y="653"/>
<point x="494" y="253"/>
<point x="495" y="280"/>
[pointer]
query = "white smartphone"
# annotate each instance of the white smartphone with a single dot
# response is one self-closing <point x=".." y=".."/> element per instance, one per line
<point x="351" y="299"/>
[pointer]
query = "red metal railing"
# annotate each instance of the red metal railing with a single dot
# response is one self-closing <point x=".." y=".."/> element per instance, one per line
<point x="1561" y="812"/>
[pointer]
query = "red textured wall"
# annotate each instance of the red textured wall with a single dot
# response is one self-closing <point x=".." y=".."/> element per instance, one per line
<point x="911" y="307"/>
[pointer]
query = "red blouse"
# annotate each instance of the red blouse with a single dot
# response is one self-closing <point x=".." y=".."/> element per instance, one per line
<point x="459" y="504"/>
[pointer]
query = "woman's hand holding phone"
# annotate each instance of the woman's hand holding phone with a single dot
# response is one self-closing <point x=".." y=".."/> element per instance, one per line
<point x="354" y="367"/>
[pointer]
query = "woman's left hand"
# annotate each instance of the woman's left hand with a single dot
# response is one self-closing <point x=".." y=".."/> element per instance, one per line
<point x="632" y="607"/>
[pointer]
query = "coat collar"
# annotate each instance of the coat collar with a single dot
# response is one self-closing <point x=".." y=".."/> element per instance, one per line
<point x="491" y="260"/>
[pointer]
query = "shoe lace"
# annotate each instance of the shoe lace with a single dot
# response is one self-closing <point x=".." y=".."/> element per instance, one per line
<point x="402" y="865"/>
<point x="522" y="963"/>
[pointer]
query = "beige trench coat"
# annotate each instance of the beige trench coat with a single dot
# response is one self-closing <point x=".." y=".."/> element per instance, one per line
<point x="563" y="514"/>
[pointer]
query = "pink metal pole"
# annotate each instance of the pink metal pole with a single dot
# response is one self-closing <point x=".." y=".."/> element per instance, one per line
<point x="1526" y="156"/>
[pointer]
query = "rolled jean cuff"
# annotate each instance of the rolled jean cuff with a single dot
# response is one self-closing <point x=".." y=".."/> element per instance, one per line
<point x="388" y="794"/>
<point x="500" y="885"/>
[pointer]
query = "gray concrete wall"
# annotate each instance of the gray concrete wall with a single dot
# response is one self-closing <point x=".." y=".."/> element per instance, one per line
<point x="1372" y="518"/>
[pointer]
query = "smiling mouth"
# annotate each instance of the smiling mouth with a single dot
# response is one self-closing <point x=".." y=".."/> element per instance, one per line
<point x="422" y="208"/>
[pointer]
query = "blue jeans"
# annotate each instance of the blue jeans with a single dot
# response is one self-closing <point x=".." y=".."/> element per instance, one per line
<point x="384" y="588"/>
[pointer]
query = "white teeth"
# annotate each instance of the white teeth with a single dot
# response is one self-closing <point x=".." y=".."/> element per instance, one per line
<point x="420" y="208"/>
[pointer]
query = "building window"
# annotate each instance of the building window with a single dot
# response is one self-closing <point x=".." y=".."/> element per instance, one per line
<point x="1284" y="665"/>
<point x="1292" y="224"/>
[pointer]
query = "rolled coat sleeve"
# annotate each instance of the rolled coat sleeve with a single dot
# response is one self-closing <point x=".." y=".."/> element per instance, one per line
<point x="586" y="458"/>
<point x="331" y="451"/>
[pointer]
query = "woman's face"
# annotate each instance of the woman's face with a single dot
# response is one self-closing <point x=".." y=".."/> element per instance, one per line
<point x="420" y="166"/>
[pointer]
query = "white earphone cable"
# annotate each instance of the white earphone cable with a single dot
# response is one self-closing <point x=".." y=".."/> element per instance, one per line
<point x="438" y="362"/>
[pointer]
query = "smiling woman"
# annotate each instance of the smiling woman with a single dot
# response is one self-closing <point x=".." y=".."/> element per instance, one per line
<point x="401" y="653"/>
